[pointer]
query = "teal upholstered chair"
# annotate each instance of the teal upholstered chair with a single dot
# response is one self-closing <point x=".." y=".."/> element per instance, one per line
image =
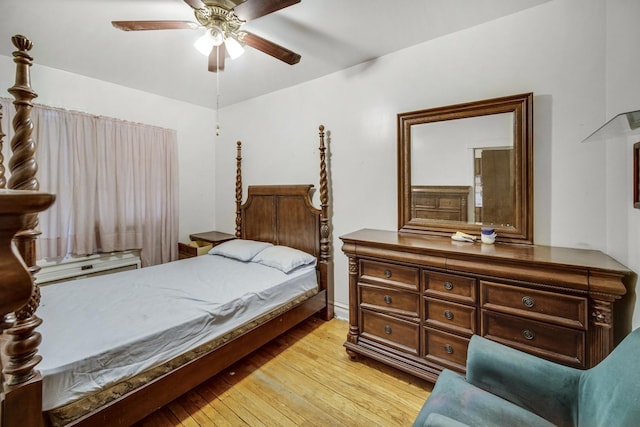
<point x="506" y="387"/>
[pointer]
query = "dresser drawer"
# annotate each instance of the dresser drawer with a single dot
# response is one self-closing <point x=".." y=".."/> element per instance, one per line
<point x="556" y="343"/>
<point x="389" y="300"/>
<point x="450" y="287"/>
<point x="565" y="310"/>
<point x="391" y="331"/>
<point x="193" y="248"/>
<point x="458" y="318"/>
<point x="446" y="349"/>
<point x="390" y="274"/>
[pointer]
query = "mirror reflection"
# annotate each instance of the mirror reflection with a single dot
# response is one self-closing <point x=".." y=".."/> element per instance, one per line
<point x="468" y="165"/>
<point x="471" y="179"/>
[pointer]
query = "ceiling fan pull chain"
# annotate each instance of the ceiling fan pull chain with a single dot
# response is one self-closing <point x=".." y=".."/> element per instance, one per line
<point x="217" y="93"/>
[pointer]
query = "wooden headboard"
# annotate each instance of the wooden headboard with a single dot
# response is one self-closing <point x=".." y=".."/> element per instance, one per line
<point x="440" y="202"/>
<point x="284" y="214"/>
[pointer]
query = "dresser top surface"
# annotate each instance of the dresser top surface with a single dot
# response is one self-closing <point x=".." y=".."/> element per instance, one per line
<point x="536" y="254"/>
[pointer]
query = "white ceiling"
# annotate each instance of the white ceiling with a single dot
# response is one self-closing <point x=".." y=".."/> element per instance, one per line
<point x="77" y="36"/>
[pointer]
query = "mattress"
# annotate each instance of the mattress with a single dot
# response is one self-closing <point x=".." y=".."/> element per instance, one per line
<point x="101" y="330"/>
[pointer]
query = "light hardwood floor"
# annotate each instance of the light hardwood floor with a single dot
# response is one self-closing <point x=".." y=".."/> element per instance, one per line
<point x="302" y="378"/>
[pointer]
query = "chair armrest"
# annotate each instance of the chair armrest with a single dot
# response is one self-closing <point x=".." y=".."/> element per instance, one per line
<point x="438" y="420"/>
<point x="547" y="389"/>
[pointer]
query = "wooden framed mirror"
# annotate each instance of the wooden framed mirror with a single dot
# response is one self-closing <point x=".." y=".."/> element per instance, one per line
<point x="465" y="166"/>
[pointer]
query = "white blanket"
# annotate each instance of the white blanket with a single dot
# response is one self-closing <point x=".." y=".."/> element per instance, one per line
<point x="101" y="330"/>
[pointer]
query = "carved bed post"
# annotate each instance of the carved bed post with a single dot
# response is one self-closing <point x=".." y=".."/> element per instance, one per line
<point x="326" y="263"/>
<point x="3" y="180"/>
<point x="238" y="190"/>
<point x="22" y="383"/>
<point x="23" y="164"/>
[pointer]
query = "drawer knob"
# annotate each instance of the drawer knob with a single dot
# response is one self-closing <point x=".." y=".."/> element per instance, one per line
<point x="528" y="334"/>
<point x="528" y="302"/>
<point x="388" y="299"/>
<point x="448" y="285"/>
<point x="387" y="329"/>
<point x="387" y="273"/>
<point x="448" y="314"/>
<point x="448" y="348"/>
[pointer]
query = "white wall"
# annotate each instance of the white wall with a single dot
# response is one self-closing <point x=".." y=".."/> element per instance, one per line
<point x="557" y="50"/>
<point x="622" y="94"/>
<point x="194" y="125"/>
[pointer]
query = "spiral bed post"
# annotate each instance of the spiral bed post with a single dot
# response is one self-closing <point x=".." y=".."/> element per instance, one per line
<point x="326" y="263"/>
<point x="19" y="207"/>
<point x="239" y="190"/>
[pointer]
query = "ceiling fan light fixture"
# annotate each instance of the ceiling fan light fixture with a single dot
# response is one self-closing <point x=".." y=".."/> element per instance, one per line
<point x="212" y="37"/>
<point x="234" y="48"/>
<point x="204" y="44"/>
<point x="217" y="35"/>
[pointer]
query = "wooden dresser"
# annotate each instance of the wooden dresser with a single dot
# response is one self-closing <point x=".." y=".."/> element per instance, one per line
<point x="415" y="301"/>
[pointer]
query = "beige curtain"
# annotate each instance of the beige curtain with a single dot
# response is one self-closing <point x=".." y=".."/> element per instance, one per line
<point x="116" y="184"/>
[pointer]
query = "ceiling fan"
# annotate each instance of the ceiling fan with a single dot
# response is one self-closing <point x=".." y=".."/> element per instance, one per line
<point x="223" y="20"/>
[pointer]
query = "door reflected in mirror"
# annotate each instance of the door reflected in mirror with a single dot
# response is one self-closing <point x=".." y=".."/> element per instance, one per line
<point x="465" y="166"/>
<point x="494" y="195"/>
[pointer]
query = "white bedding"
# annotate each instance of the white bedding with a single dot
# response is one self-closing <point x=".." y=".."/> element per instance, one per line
<point x="100" y="330"/>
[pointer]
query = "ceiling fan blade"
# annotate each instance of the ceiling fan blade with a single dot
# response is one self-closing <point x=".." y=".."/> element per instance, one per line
<point x="154" y="25"/>
<point x="195" y="4"/>
<point x="216" y="58"/>
<point x="252" y="9"/>
<point x="268" y="47"/>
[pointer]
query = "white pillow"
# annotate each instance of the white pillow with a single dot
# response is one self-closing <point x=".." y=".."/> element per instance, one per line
<point x="240" y="249"/>
<point x="284" y="258"/>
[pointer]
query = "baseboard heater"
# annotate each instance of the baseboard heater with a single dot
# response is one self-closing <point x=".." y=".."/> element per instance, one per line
<point x="54" y="270"/>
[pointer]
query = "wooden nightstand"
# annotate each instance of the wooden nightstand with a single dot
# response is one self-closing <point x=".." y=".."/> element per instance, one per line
<point x="205" y="241"/>
<point x="213" y="237"/>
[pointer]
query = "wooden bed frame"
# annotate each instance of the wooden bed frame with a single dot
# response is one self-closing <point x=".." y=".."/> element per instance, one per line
<point x="282" y="214"/>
